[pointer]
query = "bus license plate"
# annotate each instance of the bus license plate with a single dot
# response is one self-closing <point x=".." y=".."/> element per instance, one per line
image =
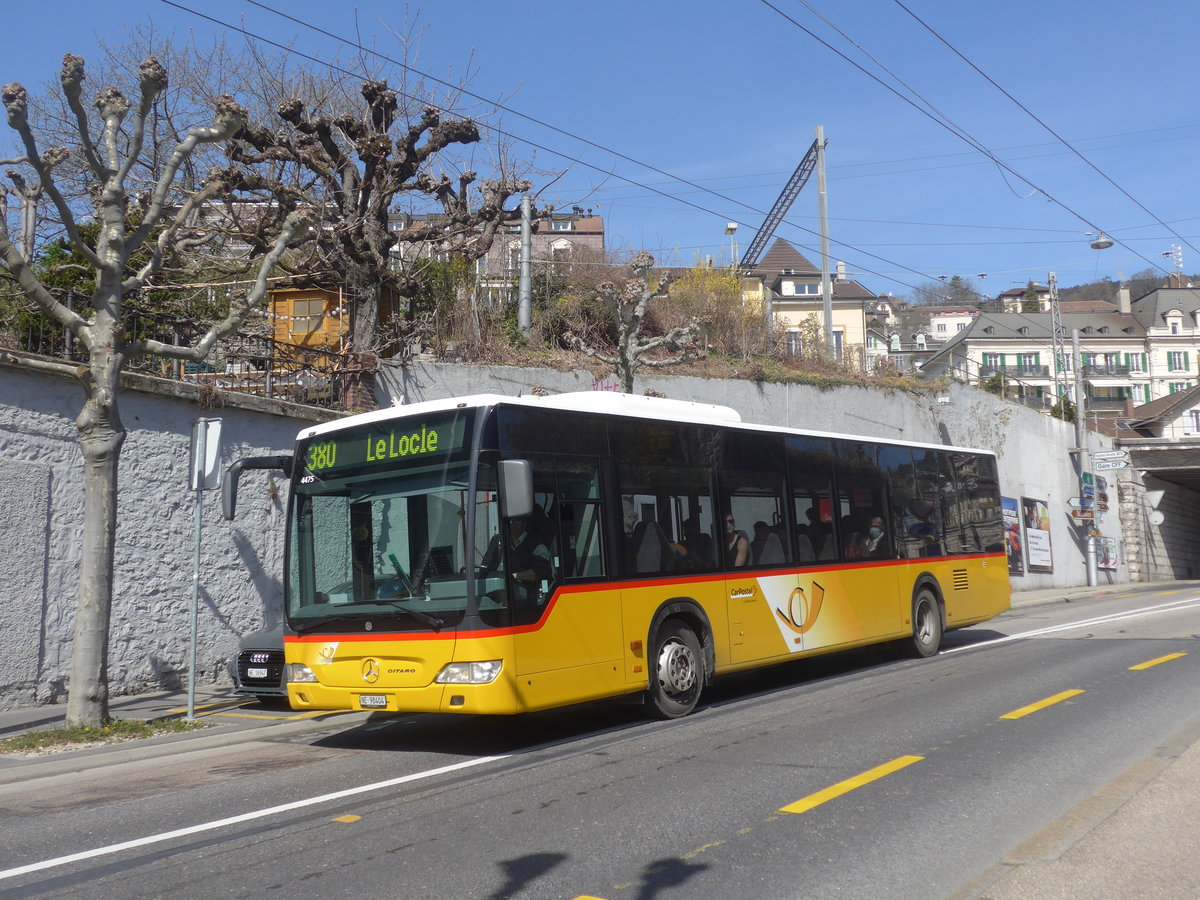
<point x="256" y="673"/>
<point x="373" y="701"/>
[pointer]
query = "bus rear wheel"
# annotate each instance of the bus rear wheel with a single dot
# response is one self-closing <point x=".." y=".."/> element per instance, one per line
<point x="678" y="671"/>
<point x="927" y="624"/>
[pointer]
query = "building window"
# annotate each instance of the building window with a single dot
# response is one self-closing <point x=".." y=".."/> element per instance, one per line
<point x="561" y="225"/>
<point x="794" y="345"/>
<point x="1176" y="387"/>
<point x="941" y="326"/>
<point x="1191" y="422"/>
<point x="307" y="316"/>
<point x="1177" y="361"/>
<point x="961" y="326"/>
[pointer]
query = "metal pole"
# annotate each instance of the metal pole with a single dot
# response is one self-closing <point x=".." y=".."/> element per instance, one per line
<point x="1081" y="459"/>
<point x="525" y="281"/>
<point x="823" y="212"/>
<point x="194" y="606"/>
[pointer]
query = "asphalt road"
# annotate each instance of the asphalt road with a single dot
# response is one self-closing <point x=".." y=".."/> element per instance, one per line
<point x="848" y="776"/>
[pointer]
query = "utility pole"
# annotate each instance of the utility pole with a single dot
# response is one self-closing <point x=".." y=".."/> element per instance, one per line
<point x="1060" y="350"/>
<point x="525" y="280"/>
<point x="1079" y="451"/>
<point x="823" y="212"/>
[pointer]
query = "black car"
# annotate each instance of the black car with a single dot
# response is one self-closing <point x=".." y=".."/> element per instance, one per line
<point x="259" y="666"/>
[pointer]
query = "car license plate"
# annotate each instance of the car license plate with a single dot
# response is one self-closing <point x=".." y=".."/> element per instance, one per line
<point x="256" y="673"/>
<point x="373" y="701"/>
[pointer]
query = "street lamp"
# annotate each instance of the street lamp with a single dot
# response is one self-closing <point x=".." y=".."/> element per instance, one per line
<point x="1102" y="241"/>
<point x="731" y="230"/>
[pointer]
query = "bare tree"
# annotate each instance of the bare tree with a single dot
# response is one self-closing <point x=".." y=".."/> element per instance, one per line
<point x="628" y="303"/>
<point x="355" y="168"/>
<point x="107" y="151"/>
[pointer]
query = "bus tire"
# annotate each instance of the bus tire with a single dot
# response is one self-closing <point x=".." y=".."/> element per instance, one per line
<point x="677" y="673"/>
<point x="927" y="623"/>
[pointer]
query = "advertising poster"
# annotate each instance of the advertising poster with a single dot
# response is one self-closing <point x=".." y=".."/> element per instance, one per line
<point x="1106" y="553"/>
<point x="1012" y="536"/>
<point x="1037" y="535"/>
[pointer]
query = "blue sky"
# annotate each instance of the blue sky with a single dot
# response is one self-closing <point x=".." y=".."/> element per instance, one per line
<point x="727" y="95"/>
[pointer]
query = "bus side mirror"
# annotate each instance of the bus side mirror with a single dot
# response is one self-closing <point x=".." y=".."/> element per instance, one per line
<point x="516" y="488"/>
<point x="229" y="486"/>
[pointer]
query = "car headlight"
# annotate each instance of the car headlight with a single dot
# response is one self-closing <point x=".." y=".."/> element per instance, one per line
<point x="300" y="673"/>
<point x="470" y="672"/>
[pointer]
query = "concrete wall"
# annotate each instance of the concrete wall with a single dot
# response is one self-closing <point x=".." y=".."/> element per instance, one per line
<point x="241" y="562"/>
<point x="1166" y="550"/>
<point x="41" y="520"/>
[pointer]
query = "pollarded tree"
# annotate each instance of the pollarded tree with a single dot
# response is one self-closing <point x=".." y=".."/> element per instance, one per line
<point x="106" y="152"/>
<point x="628" y="303"/>
<point x="356" y="168"/>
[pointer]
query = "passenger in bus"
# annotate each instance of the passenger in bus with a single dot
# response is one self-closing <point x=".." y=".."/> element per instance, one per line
<point x="761" y="531"/>
<point x="737" y="545"/>
<point x="874" y="545"/>
<point x="697" y="545"/>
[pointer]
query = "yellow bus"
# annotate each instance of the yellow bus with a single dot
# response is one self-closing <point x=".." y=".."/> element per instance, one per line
<point x="499" y="555"/>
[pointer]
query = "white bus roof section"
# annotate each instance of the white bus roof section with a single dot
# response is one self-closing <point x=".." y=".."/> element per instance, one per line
<point x="607" y="403"/>
<point x="601" y="402"/>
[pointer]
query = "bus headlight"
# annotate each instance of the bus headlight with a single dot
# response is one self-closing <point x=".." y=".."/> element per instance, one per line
<point x="470" y="673"/>
<point x="300" y="673"/>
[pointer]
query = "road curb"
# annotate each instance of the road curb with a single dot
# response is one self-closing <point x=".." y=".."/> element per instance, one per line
<point x="14" y="769"/>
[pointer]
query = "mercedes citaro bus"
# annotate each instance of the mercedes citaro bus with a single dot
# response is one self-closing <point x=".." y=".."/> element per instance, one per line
<point x="660" y="544"/>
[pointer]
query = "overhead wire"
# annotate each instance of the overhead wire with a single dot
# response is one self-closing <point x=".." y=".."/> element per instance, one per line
<point x="507" y="134"/>
<point x="1035" y="118"/>
<point x="949" y="126"/>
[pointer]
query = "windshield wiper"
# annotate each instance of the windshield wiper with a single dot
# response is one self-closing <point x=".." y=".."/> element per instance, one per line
<point x="427" y="618"/>
<point x="319" y="623"/>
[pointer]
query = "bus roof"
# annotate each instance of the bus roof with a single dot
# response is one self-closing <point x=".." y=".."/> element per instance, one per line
<point x="609" y="403"/>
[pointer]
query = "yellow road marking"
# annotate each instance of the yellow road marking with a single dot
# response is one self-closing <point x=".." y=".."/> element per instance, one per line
<point x="1041" y="704"/>
<point x="348" y="818"/>
<point x="844" y="787"/>
<point x="700" y="850"/>
<point x="1154" y="662"/>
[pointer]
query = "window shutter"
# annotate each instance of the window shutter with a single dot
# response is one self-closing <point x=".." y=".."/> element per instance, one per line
<point x="1187" y="365"/>
<point x="1145" y="365"/>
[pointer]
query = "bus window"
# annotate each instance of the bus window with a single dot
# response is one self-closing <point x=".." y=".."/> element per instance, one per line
<point x="810" y="465"/>
<point x="667" y="518"/>
<point x="861" y="506"/>
<point x="579" y="514"/>
<point x="907" y="514"/>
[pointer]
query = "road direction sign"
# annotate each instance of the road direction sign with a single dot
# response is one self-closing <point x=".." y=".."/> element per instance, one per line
<point x="1110" y="464"/>
<point x="1080" y="502"/>
<point x="1110" y="454"/>
<point x="1083" y="514"/>
<point x="1087" y="490"/>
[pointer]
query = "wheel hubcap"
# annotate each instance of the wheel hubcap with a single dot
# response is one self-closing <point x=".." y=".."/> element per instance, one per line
<point x="676" y="668"/>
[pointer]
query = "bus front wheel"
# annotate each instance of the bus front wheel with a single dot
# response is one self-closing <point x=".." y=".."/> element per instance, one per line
<point x="678" y="672"/>
<point x="927" y="624"/>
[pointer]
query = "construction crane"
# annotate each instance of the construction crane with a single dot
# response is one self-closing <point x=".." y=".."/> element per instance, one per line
<point x="787" y="196"/>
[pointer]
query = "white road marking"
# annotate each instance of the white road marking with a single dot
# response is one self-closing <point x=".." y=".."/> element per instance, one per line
<point x="244" y="817"/>
<point x="1085" y="623"/>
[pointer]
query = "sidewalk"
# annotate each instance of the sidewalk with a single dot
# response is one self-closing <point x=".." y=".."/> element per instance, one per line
<point x="1136" y="837"/>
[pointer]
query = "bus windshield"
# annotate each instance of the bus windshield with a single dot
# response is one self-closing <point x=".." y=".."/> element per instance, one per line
<point x="383" y="546"/>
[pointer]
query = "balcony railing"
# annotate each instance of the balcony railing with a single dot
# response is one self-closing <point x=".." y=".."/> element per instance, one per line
<point x="1014" y="371"/>
<point x="1105" y="371"/>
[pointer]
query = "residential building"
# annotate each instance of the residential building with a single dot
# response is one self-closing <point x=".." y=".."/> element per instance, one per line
<point x="559" y="238"/>
<point x="1133" y="353"/>
<point x="790" y="286"/>
<point x="1014" y="298"/>
<point x="1174" y="417"/>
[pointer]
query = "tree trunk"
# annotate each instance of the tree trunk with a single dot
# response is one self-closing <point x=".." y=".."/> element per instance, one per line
<point x="101" y="436"/>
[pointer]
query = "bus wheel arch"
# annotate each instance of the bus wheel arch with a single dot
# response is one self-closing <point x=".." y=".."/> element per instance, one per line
<point x="928" y="617"/>
<point x="681" y="657"/>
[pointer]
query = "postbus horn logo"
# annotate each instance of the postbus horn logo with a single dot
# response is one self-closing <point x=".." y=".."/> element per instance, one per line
<point x="801" y="614"/>
<point x="370" y="671"/>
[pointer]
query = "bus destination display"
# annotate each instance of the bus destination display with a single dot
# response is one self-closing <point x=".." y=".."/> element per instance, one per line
<point x="390" y="444"/>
